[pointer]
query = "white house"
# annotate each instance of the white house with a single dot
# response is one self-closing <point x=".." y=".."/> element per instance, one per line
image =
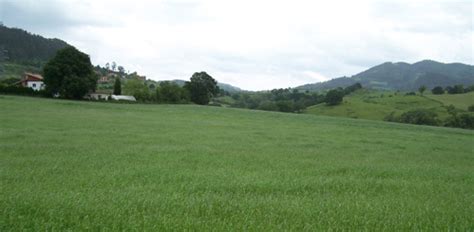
<point x="34" y="81"/>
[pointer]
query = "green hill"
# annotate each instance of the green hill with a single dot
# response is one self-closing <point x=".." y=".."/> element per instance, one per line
<point x="460" y="101"/>
<point x="376" y="105"/>
<point x="22" y="51"/>
<point x="17" y="45"/>
<point x="67" y="165"/>
<point x="404" y="76"/>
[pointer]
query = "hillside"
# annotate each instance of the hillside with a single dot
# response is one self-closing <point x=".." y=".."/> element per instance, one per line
<point x="376" y="105"/>
<point x="404" y="76"/>
<point x="22" y="51"/>
<point x="101" y="166"/>
<point x="18" y="45"/>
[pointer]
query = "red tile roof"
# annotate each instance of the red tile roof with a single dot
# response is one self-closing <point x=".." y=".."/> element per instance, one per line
<point x="32" y="77"/>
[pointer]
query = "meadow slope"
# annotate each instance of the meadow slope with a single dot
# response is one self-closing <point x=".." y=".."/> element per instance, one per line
<point x="68" y="165"/>
<point x="376" y="105"/>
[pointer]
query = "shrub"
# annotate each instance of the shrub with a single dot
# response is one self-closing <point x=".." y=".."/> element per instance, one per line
<point x="20" y="90"/>
<point x="268" y="106"/>
<point x="470" y="108"/>
<point x="437" y="90"/>
<point x="334" y="97"/>
<point x="419" y="117"/>
<point x="465" y="121"/>
<point x="457" y="89"/>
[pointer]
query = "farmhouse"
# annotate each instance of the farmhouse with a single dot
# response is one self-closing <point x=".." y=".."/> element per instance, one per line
<point x="34" y="81"/>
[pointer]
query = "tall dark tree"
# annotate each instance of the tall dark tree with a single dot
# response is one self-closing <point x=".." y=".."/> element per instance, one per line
<point x="202" y="88"/>
<point x="334" y="97"/>
<point x="121" y="69"/>
<point x="70" y="74"/>
<point x="117" y="86"/>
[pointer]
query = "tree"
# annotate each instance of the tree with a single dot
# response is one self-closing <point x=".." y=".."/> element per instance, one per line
<point x="114" y="65"/>
<point x="137" y="89"/>
<point x="334" y="97"/>
<point x="420" y="117"/>
<point x="352" y="88"/>
<point x="107" y="66"/>
<point x="437" y="90"/>
<point x="422" y="89"/>
<point x="121" y="69"/>
<point x="455" y="89"/>
<point x="70" y="74"/>
<point x="470" y="108"/>
<point x="201" y="87"/>
<point x="117" y="86"/>
<point x="170" y="92"/>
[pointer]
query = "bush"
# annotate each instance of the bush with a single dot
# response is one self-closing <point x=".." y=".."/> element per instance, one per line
<point x="470" y="108"/>
<point x="285" y="106"/>
<point x="419" y="117"/>
<point x="410" y="94"/>
<point x="268" y="106"/>
<point x="465" y="121"/>
<point x="438" y="90"/>
<point x="20" y="90"/>
<point x="457" y="89"/>
<point x="334" y="97"/>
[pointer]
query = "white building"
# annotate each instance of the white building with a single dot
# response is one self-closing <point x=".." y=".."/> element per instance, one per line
<point x="123" y="98"/>
<point x="33" y="81"/>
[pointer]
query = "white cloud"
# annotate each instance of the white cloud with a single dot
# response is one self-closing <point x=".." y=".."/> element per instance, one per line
<point x="258" y="44"/>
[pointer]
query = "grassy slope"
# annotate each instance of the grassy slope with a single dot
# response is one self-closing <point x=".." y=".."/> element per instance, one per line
<point x="79" y="165"/>
<point x="16" y="70"/>
<point x="376" y="105"/>
<point x="460" y="101"/>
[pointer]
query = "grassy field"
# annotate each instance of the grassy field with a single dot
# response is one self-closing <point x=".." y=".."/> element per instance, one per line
<point x="68" y="165"/>
<point x="460" y="101"/>
<point x="15" y="70"/>
<point x="376" y="105"/>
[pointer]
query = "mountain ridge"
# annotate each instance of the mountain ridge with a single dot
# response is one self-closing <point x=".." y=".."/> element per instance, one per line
<point x="403" y="76"/>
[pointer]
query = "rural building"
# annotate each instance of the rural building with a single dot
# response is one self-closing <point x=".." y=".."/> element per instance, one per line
<point x="107" y="96"/>
<point x="97" y="96"/>
<point x="34" y="81"/>
<point x="123" y="98"/>
<point x="103" y="79"/>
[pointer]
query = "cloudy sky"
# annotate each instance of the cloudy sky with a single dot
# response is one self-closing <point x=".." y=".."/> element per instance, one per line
<point x="253" y="44"/>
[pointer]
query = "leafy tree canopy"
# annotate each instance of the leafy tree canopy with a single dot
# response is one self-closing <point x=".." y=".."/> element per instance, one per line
<point x="201" y="88"/>
<point x="334" y="97"/>
<point x="69" y="73"/>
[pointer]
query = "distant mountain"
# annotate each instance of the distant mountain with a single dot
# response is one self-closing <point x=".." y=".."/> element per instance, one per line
<point x="224" y="86"/>
<point x="17" y="45"/>
<point x="403" y="76"/>
<point x="228" y="88"/>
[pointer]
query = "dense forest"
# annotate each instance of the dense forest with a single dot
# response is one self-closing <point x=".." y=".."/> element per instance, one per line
<point x="19" y="46"/>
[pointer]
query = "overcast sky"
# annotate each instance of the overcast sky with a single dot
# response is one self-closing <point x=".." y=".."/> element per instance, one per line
<point x="253" y="44"/>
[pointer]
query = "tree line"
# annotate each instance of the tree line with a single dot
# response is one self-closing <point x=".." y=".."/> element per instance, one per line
<point x="200" y="89"/>
<point x="289" y="100"/>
